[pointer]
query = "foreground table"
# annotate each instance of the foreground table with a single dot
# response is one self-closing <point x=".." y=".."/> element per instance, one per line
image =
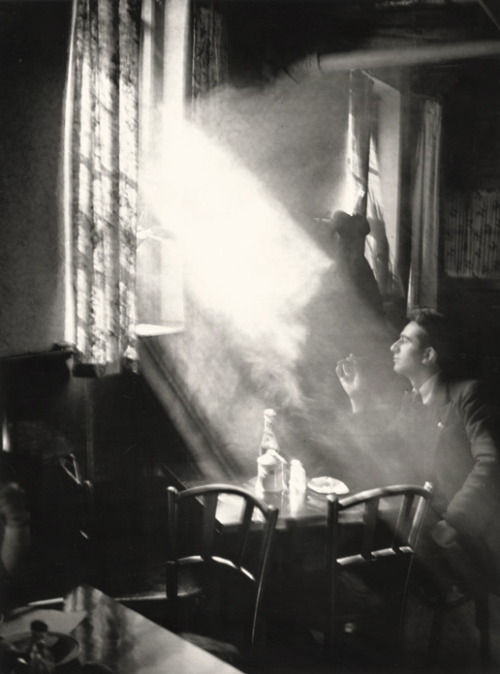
<point x="127" y="643"/>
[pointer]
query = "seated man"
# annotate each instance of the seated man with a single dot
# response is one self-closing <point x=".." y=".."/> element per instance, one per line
<point x="443" y="433"/>
<point x="14" y="535"/>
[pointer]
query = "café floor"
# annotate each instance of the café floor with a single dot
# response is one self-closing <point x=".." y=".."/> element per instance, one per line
<point x="459" y="651"/>
<point x="126" y="567"/>
<point x="298" y="651"/>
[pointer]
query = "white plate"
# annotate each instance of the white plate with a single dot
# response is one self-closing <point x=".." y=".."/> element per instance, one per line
<point x="327" y="485"/>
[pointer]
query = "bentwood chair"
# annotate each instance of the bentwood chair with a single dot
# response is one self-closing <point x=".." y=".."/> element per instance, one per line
<point x="215" y="578"/>
<point x="369" y="565"/>
<point x="83" y="497"/>
<point x="79" y="508"/>
<point x="63" y="542"/>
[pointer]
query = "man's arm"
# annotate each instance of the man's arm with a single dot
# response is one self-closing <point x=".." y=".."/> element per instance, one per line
<point x="476" y="505"/>
<point x="353" y="376"/>
<point x="373" y="430"/>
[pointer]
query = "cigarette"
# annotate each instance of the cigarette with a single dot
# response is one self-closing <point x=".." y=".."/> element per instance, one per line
<point x="47" y="602"/>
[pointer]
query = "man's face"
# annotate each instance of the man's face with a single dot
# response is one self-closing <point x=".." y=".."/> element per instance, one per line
<point x="408" y="352"/>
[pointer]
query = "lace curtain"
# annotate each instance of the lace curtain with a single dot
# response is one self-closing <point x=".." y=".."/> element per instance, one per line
<point x="363" y="177"/>
<point x="209" y="63"/>
<point x="359" y="135"/>
<point x="472" y="234"/>
<point x="423" y="287"/>
<point x="101" y="178"/>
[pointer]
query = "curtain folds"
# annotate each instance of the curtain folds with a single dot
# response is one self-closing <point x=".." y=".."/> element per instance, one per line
<point x="472" y="234"/>
<point x="210" y="64"/>
<point x="364" y="193"/>
<point x="359" y="134"/>
<point x="101" y="188"/>
<point x="377" y="245"/>
<point x="423" y="288"/>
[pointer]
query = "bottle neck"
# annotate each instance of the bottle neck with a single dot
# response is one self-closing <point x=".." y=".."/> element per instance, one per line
<point x="268" y="437"/>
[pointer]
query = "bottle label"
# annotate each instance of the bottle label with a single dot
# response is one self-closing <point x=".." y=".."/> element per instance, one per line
<point x="270" y="477"/>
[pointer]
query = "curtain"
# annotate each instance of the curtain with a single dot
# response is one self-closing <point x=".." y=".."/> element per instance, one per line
<point x="210" y="63"/>
<point x="101" y="178"/>
<point x="364" y="194"/>
<point x="172" y="364"/>
<point x="423" y="287"/>
<point x="377" y="245"/>
<point x="159" y="272"/>
<point x="472" y="234"/>
<point x="359" y="133"/>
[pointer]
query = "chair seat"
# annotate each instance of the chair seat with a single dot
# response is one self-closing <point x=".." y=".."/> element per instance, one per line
<point x="357" y="594"/>
<point x="205" y="605"/>
<point x="361" y="599"/>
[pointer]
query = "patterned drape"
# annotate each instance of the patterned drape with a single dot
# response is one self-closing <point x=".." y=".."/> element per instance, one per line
<point x="363" y="175"/>
<point x="210" y="64"/>
<point x="377" y="246"/>
<point x="359" y="132"/>
<point x="472" y="234"/>
<point x="102" y="141"/>
<point x="425" y="210"/>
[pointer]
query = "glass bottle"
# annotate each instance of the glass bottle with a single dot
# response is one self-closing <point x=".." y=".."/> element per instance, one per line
<point x="270" y="463"/>
<point x="297" y="485"/>
<point x="298" y="480"/>
<point x="268" y="436"/>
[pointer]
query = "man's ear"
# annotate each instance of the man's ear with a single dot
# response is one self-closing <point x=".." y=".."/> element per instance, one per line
<point x="430" y="356"/>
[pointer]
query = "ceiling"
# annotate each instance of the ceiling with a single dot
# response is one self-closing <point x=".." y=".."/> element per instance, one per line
<point x="269" y="36"/>
<point x="401" y="31"/>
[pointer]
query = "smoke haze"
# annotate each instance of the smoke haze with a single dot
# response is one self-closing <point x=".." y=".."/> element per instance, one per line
<point x="268" y="313"/>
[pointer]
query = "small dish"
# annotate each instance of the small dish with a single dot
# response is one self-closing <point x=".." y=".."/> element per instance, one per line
<point x="327" y="485"/>
<point x="63" y="647"/>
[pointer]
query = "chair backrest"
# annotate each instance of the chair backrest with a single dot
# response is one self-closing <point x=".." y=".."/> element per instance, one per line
<point x="82" y="501"/>
<point x="390" y="521"/>
<point x="200" y="542"/>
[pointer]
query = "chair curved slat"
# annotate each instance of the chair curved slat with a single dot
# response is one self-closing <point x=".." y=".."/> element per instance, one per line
<point x="244" y="553"/>
<point x="372" y="551"/>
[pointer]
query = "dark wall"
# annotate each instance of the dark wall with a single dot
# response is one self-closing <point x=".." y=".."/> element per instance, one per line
<point x="121" y="438"/>
<point x="112" y="425"/>
<point x="471" y="178"/>
<point x="33" y="60"/>
<point x="43" y="400"/>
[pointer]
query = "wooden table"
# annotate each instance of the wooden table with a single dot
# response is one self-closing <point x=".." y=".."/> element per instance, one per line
<point x="300" y="539"/>
<point x="128" y="643"/>
<point x="310" y="511"/>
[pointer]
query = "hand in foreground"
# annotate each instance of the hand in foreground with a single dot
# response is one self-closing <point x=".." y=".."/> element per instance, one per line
<point x="13" y="508"/>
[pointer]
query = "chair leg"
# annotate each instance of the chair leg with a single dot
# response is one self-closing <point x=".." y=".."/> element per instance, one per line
<point x="435" y="636"/>
<point x="402" y="617"/>
<point x="482" y="619"/>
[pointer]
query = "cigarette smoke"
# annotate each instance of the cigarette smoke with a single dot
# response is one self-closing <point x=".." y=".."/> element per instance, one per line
<point x="265" y="311"/>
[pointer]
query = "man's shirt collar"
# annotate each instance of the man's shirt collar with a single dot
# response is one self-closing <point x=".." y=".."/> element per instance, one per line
<point x="428" y="389"/>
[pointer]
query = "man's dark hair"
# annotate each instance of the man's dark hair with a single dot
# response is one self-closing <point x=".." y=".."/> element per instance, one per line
<point x="440" y="334"/>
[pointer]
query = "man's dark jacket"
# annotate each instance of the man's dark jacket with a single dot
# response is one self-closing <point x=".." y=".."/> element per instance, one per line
<point x="453" y="443"/>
